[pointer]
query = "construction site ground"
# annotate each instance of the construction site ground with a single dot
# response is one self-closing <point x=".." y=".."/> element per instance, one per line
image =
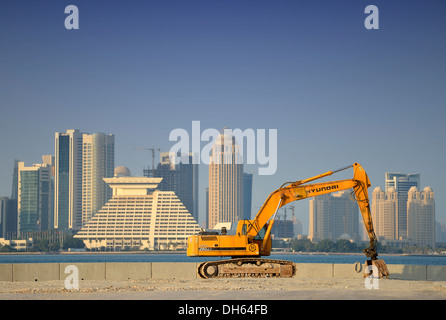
<point x="228" y="289"/>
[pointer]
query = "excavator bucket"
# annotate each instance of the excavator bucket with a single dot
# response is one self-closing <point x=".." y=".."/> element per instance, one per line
<point x="377" y="268"/>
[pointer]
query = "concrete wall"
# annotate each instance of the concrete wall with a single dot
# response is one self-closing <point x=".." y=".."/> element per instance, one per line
<point x="187" y="270"/>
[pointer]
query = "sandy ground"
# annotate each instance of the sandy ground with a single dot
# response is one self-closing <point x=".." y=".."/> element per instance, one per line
<point x="227" y="289"/>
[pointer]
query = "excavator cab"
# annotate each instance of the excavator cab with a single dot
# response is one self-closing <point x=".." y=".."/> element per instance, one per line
<point x="261" y="235"/>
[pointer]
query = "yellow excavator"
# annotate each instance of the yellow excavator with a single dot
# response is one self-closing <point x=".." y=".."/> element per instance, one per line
<point x="252" y="239"/>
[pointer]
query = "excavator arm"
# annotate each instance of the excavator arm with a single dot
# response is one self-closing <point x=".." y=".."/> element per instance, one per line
<point x="300" y="190"/>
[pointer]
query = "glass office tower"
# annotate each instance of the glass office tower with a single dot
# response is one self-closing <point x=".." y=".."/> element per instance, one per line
<point x="402" y="183"/>
<point x="68" y="180"/>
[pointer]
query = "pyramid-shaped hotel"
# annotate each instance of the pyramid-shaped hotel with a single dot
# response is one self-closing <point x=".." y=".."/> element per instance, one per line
<point x="138" y="217"/>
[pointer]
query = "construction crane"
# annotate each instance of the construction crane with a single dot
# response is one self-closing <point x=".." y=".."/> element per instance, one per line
<point x="153" y="157"/>
<point x="292" y="212"/>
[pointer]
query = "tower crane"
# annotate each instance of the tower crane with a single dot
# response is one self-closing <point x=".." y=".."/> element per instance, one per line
<point x="153" y="156"/>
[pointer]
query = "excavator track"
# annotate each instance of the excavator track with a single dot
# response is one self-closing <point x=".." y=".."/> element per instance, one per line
<point x="247" y="267"/>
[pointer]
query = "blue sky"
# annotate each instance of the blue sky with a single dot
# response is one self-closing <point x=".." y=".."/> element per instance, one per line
<point x="336" y="92"/>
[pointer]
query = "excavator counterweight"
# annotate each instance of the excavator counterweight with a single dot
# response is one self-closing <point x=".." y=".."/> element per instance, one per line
<point x="252" y="239"/>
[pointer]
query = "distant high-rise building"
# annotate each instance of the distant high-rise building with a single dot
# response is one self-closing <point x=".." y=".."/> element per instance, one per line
<point x="297" y="227"/>
<point x="98" y="161"/>
<point x="34" y="197"/>
<point x="225" y="181"/>
<point x="3" y="209"/>
<point x="49" y="160"/>
<point x="402" y="183"/>
<point x="15" y="180"/>
<point x="297" y="224"/>
<point x="440" y="232"/>
<point x="8" y="217"/>
<point x="421" y="217"/>
<point x="180" y="174"/>
<point x="206" y="222"/>
<point x="283" y="229"/>
<point x="385" y="213"/>
<point x="319" y="215"/>
<point x="9" y="206"/>
<point x="346" y="216"/>
<point x="247" y="195"/>
<point x="68" y="180"/>
<point x="334" y="217"/>
<point x="189" y="169"/>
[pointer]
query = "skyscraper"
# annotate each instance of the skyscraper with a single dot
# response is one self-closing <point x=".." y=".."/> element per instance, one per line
<point x="182" y="178"/>
<point x="333" y="217"/>
<point x="34" y="197"/>
<point x="206" y="222"/>
<point x="190" y="176"/>
<point x="402" y="183"/>
<point x="9" y="206"/>
<point x="385" y="213"/>
<point x="98" y="161"/>
<point x="225" y="181"/>
<point x="421" y="217"/>
<point x="247" y="195"/>
<point x="68" y="180"/>
<point x="8" y="217"/>
<point x="283" y="229"/>
<point x="319" y="218"/>
<point x="15" y="180"/>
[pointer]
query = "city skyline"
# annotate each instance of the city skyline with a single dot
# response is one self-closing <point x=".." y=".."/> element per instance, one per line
<point x="391" y="181"/>
<point x="336" y="92"/>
